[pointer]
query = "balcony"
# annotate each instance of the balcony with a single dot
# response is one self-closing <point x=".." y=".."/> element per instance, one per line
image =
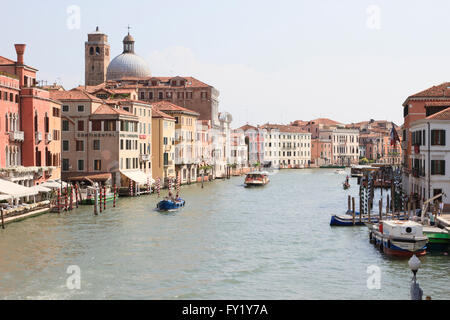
<point x="38" y="136"/>
<point x="145" y="157"/>
<point x="168" y="163"/>
<point x="48" y="137"/>
<point x="16" y="136"/>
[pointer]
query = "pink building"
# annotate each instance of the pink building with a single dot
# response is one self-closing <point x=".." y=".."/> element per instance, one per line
<point x="30" y="126"/>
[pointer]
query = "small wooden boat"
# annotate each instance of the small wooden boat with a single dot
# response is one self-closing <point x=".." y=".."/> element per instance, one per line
<point x="257" y="178"/>
<point x="346" y="220"/>
<point x="399" y="238"/>
<point x="438" y="239"/>
<point x="169" y="205"/>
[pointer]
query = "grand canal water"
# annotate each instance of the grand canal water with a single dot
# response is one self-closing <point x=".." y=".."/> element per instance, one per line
<point x="230" y="242"/>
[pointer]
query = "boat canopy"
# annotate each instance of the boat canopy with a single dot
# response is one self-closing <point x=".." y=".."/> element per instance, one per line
<point x="52" y="184"/>
<point x="40" y="188"/>
<point x="259" y="172"/>
<point x="16" y="190"/>
<point x="138" y="176"/>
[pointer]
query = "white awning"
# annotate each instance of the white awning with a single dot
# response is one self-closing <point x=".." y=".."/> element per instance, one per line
<point x="40" y="188"/>
<point x="53" y="184"/>
<point x="15" y="190"/>
<point x="5" y="197"/>
<point x="138" y="176"/>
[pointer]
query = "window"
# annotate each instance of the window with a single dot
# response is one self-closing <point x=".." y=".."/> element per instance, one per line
<point x="97" y="125"/>
<point x="65" y="164"/>
<point x="438" y="167"/>
<point x="65" y="108"/>
<point x="80" y="145"/>
<point x="80" y="108"/>
<point x="65" y="125"/>
<point x="142" y="95"/>
<point x="438" y="137"/>
<point x="96" y="144"/>
<point x="160" y="95"/>
<point x="150" y="95"/>
<point x="97" y="165"/>
<point x="80" y="125"/>
<point x="65" y="145"/>
<point x="80" y="165"/>
<point x="110" y="125"/>
<point x="56" y="112"/>
<point x="121" y="144"/>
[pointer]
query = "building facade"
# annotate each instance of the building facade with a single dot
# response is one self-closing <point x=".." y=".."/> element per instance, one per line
<point x="430" y="157"/>
<point x="30" y="127"/>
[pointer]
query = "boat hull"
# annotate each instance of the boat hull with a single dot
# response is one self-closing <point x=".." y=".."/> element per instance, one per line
<point x="167" y="205"/>
<point x="398" y="247"/>
<point x="347" y="219"/>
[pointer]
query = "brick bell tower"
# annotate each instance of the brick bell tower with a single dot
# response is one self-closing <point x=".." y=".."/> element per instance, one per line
<point x="96" y="58"/>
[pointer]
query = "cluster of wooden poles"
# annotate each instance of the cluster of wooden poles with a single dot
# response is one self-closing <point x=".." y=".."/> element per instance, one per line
<point x="100" y="199"/>
<point x="64" y="200"/>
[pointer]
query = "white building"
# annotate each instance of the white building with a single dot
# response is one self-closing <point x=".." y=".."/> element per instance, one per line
<point x="430" y="156"/>
<point x="345" y="144"/>
<point x="294" y="146"/>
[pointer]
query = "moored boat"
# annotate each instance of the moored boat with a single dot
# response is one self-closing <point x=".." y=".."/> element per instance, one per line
<point x="438" y="239"/>
<point x="399" y="238"/>
<point x="257" y="178"/>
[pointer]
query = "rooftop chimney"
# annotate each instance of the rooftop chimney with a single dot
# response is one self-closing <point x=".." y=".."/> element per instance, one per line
<point x="20" y="50"/>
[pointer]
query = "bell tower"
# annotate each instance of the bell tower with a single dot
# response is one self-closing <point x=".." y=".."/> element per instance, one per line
<point x="96" y="58"/>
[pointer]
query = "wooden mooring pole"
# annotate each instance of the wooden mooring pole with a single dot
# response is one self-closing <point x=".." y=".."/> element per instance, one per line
<point x="353" y="210"/>
<point x="114" y="199"/>
<point x="104" y="198"/>
<point x="96" y="201"/>
<point x="3" y="221"/>
<point x="348" y="203"/>
<point x="100" y="197"/>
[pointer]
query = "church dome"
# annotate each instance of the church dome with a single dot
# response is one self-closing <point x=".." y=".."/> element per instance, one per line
<point x="128" y="64"/>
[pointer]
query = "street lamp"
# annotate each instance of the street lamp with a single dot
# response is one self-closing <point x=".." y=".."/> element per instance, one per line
<point x="416" y="291"/>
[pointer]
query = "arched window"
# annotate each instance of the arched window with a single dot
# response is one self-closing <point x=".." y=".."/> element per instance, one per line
<point x="6" y="123"/>
<point x="97" y="51"/>
<point x="91" y="51"/>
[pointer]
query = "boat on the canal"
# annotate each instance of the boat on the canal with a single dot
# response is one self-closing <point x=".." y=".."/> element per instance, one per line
<point x="438" y="238"/>
<point x="340" y="171"/>
<point x="258" y="178"/>
<point x="346" y="220"/>
<point x="399" y="238"/>
<point x="89" y="198"/>
<point x="170" y="205"/>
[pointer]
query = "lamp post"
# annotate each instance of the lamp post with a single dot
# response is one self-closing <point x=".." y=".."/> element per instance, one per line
<point x="416" y="291"/>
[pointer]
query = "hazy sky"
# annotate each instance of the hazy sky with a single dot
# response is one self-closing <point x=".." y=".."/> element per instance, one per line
<point x="273" y="61"/>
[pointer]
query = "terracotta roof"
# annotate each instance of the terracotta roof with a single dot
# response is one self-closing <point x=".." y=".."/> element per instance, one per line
<point x="248" y="127"/>
<point x="107" y="109"/>
<point x="441" y="115"/>
<point x="437" y="104"/>
<point x="284" y="128"/>
<point x="325" y="121"/>
<point x="74" y="94"/>
<point x="167" y="106"/>
<point x="299" y="123"/>
<point x="156" y="113"/>
<point x="440" y="91"/>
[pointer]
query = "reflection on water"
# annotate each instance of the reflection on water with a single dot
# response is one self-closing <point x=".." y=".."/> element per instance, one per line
<point x="229" y="242"/>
